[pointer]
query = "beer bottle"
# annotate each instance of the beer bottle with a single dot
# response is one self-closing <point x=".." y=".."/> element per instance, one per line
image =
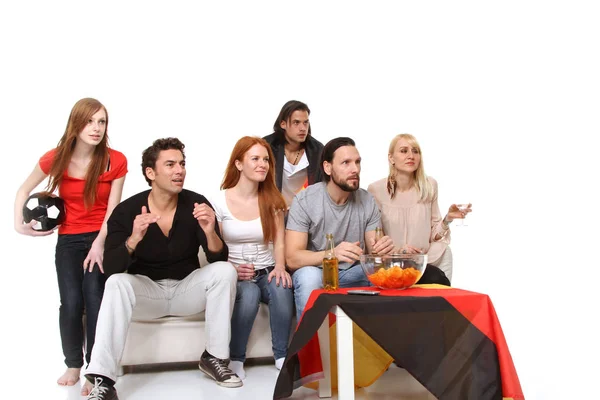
<point x="378" y="236"/>
<point x="330" y="265"/>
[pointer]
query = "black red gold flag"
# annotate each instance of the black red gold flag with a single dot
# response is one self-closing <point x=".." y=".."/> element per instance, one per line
<point x="450" y="340"/>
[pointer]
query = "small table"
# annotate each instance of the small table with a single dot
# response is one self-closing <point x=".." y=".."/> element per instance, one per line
<point x="345" y="356"/>
<point x="449" y="339"/>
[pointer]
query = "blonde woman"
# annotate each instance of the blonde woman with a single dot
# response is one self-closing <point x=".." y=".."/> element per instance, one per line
<point x="410" y="215"/>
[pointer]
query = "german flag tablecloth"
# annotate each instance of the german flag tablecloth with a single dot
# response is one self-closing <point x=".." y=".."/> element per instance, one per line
<point x="449" y="339"/>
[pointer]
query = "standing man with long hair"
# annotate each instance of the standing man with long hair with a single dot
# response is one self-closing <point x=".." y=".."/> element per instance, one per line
<point x="250" y="212"/>
<point x="89" y="177"/>
<point x="297" y="154"/>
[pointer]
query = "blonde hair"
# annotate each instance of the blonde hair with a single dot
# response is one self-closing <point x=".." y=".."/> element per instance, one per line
<point x="421" y="183"/>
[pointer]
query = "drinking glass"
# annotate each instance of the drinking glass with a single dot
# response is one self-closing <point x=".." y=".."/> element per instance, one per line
<point x="250" y="254"/>
<point x="462" y="207"/>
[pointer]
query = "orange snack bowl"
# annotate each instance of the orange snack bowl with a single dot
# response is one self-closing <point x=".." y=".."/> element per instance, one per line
<point x="393" y="271"/>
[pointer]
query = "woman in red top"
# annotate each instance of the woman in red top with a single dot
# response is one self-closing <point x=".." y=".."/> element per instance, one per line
<point x="89" y="176"/>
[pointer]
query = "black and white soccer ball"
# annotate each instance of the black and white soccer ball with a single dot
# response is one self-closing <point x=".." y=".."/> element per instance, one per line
<point x="47" y="210"/>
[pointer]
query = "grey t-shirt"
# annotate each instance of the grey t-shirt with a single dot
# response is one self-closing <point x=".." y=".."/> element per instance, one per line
<point x="314" y="212"/>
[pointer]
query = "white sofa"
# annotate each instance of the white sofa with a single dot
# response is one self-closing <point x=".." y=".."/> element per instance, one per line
<point x="182" y="339"/>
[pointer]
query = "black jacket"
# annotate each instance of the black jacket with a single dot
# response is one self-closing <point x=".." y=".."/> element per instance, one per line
<point x="313" y="150"/>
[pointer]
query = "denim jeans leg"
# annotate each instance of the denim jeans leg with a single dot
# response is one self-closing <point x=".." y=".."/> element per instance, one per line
<point x="353" y="277"/>
<point x="70" y="253"/>
<point x="281" y="310"/>
<point x="93" y="289"/>
<point x="305" y="280"/>
<point x="245" y="309"/>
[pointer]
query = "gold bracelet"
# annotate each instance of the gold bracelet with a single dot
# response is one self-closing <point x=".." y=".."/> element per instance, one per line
<point x="127" y="245"/>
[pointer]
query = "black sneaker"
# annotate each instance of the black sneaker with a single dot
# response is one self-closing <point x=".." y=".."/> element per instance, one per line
<point x="102" y="391"/>
<point x="219" y="370"/>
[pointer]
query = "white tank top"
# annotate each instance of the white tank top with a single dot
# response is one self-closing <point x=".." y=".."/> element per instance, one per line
<point x="236" y="233"/>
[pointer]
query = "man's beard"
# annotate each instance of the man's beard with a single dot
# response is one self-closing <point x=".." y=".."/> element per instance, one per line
<point x="344" y="185"/>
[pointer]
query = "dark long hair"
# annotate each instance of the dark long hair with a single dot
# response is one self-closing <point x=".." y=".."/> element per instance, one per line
<point x="284" y="115"/>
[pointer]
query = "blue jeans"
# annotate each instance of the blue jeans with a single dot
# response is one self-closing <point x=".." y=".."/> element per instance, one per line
<point x="281" y="310"/>
<point x="307" y="279"/>
<point x="79" y="290"/>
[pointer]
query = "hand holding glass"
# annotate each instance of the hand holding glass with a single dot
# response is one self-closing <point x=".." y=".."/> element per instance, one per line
<point x="463" y="208"/>
<point x="250" y="254"/>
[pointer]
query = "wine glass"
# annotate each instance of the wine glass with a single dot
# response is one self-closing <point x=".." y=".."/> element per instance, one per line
<point x="462" y="207"/>
<point x="250" y="254"/>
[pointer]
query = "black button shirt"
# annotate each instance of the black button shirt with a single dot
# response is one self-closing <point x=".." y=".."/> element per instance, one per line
<point x="157" y="256"/>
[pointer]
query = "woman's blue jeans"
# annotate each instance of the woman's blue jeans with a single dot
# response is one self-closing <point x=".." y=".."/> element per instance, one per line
<point x="281" y="309"/>
<point x="79" y="290"/>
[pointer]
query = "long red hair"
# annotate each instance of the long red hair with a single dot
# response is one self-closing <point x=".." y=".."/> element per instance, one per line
<point x="270" y="200"/>
<point x="80" y="115"/>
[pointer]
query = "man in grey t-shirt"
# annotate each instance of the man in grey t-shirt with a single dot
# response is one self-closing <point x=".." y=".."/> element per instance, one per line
<point x="336" y="206"/>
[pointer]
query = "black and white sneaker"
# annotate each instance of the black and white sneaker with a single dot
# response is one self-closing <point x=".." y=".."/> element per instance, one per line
<point x="219" y="370"/>
<point x="102" y="391"/>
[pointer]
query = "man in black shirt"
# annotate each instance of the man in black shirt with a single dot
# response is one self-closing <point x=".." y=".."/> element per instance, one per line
<point x="154" y="237"/>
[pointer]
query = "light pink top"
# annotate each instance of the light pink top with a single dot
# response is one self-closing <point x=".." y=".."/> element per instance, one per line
<point x="407" y="221"/>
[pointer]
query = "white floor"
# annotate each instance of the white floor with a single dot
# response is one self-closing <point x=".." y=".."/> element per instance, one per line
<point x="186" y="382"/>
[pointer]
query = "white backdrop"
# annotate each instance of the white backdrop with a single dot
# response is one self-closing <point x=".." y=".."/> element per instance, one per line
<point x="503" y="97"/>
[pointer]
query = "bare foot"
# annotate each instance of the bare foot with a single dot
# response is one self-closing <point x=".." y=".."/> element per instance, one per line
<point x="70" y="377"/>
<point x="86" y="388"/>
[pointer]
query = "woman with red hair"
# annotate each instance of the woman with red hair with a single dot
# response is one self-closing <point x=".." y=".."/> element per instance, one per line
<point x="89" y="177"/>
<point x="250" y="211"/>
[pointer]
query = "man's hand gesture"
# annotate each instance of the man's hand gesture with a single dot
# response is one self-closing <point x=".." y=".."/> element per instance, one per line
<point x="140" y="226"/>
<point x="205" y="216"/>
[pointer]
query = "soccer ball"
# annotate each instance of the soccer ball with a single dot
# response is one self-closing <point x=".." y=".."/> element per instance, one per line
<point x="47" y="210"/>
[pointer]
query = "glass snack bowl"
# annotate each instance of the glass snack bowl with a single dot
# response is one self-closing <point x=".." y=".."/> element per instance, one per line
<point x="393" y="271"/>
